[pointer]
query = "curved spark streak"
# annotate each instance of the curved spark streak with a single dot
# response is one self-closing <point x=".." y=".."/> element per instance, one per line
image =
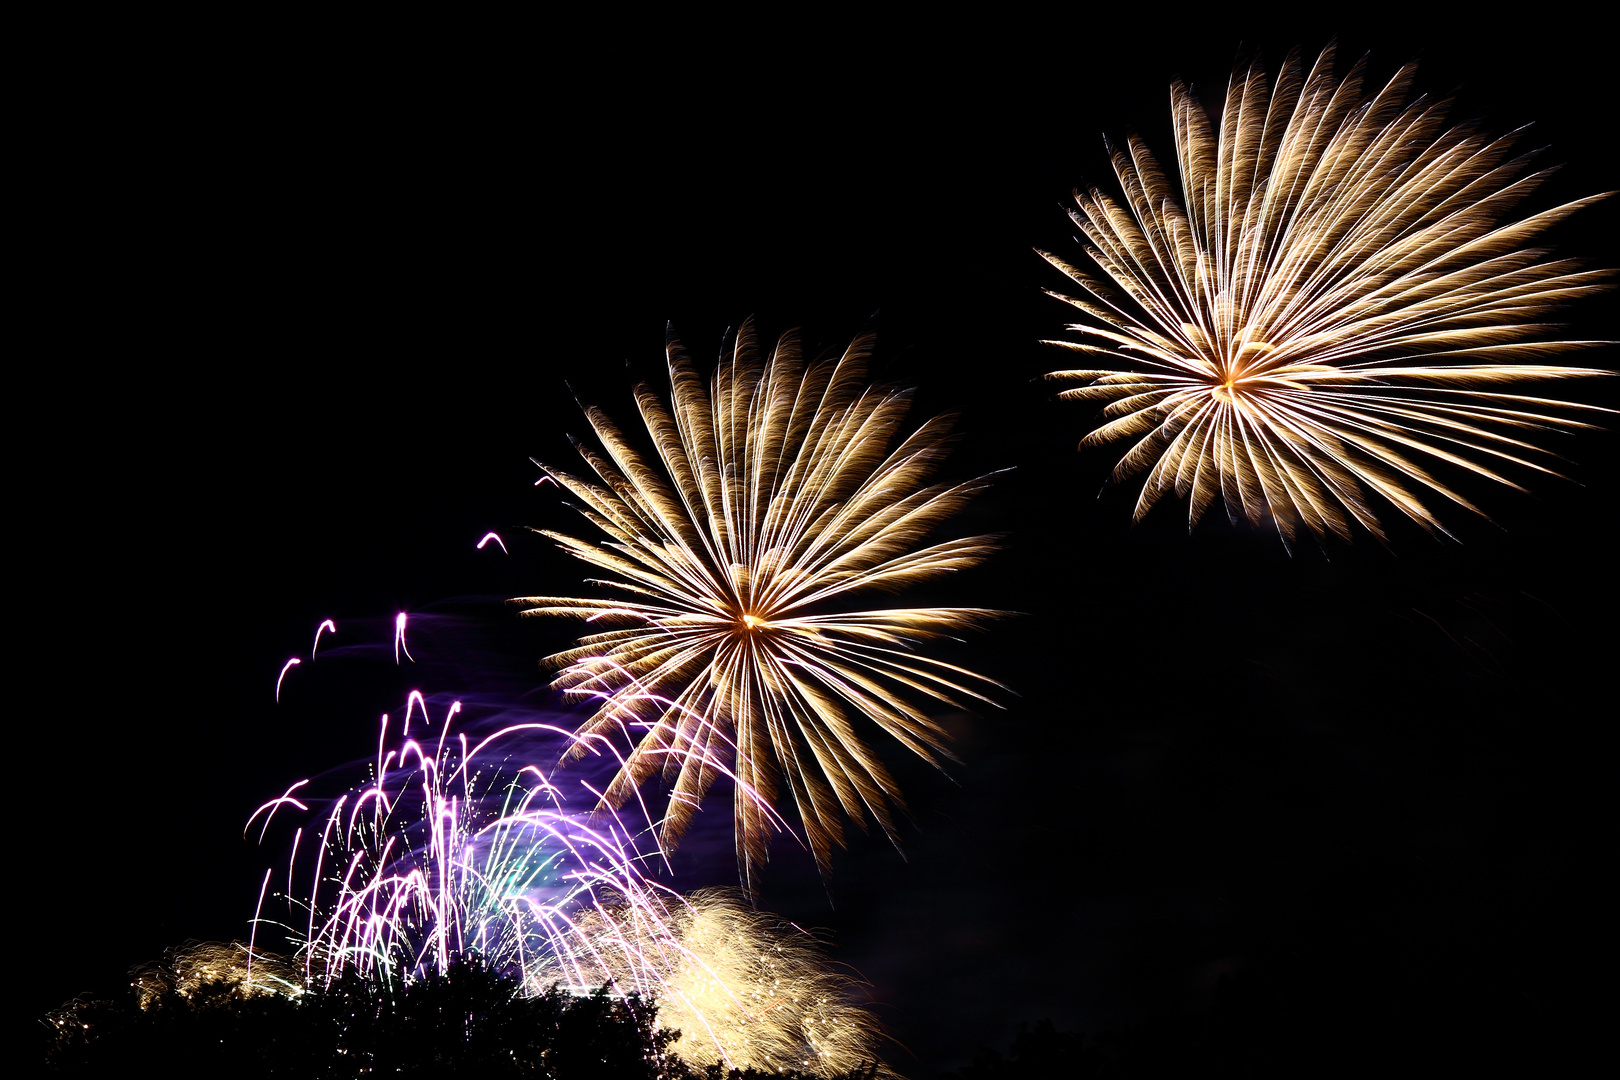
<point x="415" y="698"/>
<point x="466" y="860"/>
<point x="288" y="666"/>
<point x="253" y="934"/>
<point x="780" y="489"/>
<point x="444" y="729"/>
<point x="1329" y="306"/>
<point x="399" y="639"/>
<point x="327" y="626"/>
<point x="492" y="536"/>
<point x="709" y="760"/>
<point x="461" y="853"/>
<point x="273" y="805"/>
<point x="382" y="735"/>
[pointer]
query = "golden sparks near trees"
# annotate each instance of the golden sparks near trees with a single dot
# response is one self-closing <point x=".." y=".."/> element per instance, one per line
<point x="745" y="989"/>
<point x="772" y="498"/>
<point x="1326" y="308"/>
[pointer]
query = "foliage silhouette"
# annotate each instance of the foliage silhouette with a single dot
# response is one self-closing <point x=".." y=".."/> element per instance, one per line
<point x="470" y="1021"/>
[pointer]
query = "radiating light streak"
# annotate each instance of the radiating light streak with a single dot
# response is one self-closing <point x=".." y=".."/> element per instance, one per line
<point x="233" y="967"/>
<point x="501" y="866"/>
<point x="328" y="626"/>
<point x="253" y="933"/>
<point x="492" y="536"/>
<point x="1326" y="308"/>
<point x="746" y="989"/>
<point x="288" y="666"/>
<point x="399" y="639"/>
<point x="415" y="698"/>
<point x="775" y="494"/>
<point x="273" y="805"/>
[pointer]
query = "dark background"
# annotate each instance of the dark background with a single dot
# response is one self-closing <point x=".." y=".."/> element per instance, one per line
<point x="307" y="302"/>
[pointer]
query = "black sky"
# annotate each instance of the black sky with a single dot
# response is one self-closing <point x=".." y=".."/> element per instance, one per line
<point x="307" y="304"/>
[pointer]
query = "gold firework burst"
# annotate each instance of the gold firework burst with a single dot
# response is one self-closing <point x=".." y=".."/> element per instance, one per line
<point x="746" y="989"/>
<point x="771" y="499"/>
<point x="1328" y="307"/>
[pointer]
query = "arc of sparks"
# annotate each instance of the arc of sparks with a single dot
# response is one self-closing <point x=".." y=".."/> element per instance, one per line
<point x="272" y="806"/>
<point x="414" y="698"/>
<point x="327" y="626"/>
<point x="1332" y="312"/>
<point x="495" y="537"/>
<point x="288" y="666"/>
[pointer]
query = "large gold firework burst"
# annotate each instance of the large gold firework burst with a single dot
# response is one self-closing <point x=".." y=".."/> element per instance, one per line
<point x="1328" y="307"/>
<point x="772" y="498"/>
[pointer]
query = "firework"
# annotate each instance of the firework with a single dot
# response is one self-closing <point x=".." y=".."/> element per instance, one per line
<point x="771" y="498"/>
<point x="449" y="849"/>
<point x="744" y="988"/>
<point x="288" y="666"/>
<point x="446" y="851"/>
<point x="234" y="966"/>
<point x="1329" y="309"/>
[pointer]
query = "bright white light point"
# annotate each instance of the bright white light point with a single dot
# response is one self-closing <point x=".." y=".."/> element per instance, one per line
<point x="327" y="626"/>
<point x="288" y="666"/>
<point x="491" y="536"/>
<point x="399" y="639"/>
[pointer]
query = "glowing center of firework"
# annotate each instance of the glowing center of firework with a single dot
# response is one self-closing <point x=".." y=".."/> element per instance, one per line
<point x="754" y="622"/>
<point x="1226" y="392"/>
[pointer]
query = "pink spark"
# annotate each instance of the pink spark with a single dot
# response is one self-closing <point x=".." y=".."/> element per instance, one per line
<point x="491" y="536"/>
<point x="415" y="698"/>
<point x="273" y="805"/>
<point x="445" y="730"/>
<point x="328" y="625"/>
<point x="253" y="936"/>
<point x="399" y="639"/>
<point x="380" y="736"/>
<point x="288" y="666"/>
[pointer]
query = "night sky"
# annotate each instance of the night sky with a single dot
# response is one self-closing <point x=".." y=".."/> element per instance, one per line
<point x="314" y="297"/>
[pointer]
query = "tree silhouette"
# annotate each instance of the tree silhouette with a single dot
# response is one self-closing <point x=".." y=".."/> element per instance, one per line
<point x="469" y="1021"/>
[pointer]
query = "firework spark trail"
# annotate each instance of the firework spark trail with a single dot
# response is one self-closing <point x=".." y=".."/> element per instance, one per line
<point x="451" y="863"/>
<point x="272" y="806"/>
<point x="1334" y="296"/>
<point x="253" y="933"/>
<point x="493" y="536"/>
<point x="744" y="988"/>
<point x="631" y="691"/>
<point x="441" y="854"/>
<point x="772" y="494"/>
<point x="328" y="627"/>
<point x="454" y="845"/>
<point x="412" y="701"/>
<point x="288" y="666"/>
<point x="186" y="969"/>
<point x="399" y="639"/>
